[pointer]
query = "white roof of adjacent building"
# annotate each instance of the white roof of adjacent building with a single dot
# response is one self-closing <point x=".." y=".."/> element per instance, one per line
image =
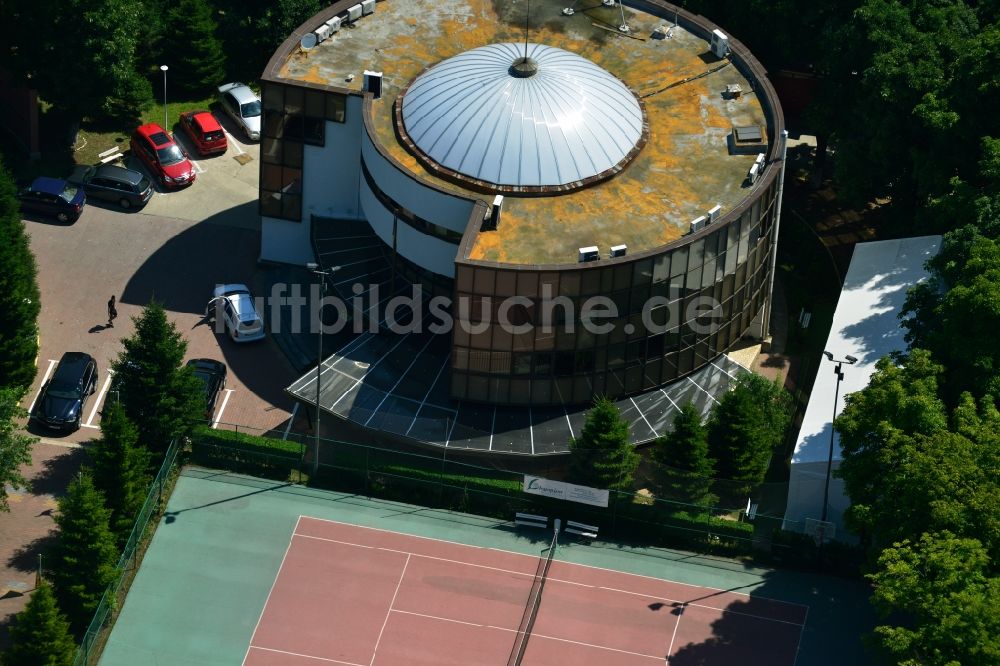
<point x="866" y="325"/>
<point x="565" y="121"/>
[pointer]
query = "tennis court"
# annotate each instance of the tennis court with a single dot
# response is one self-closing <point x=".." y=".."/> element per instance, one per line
<point x="250" y="571"/>
<point x="354" y="595"/>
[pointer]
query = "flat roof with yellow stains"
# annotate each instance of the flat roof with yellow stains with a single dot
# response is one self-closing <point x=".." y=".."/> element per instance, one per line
<point x="683" y="169"/>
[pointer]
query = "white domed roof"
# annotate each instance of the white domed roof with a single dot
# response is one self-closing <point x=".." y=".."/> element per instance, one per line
<point x="554" y="120"/>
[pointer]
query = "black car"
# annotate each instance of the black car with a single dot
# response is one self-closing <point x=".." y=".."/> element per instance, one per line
<point x="61" y="402"/>
<point x="107" y="182"/>
<point x="52" y="196"/>
<point x="213" y="374"/>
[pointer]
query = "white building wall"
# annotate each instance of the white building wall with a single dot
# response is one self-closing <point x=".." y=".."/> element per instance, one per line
<point x="428" y="252"/>
<point x="330" y="176"/>
<point x="446" y="210"/>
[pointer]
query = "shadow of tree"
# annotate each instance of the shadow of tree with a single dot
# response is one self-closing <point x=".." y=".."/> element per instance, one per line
<point x="25" y="558"/>
<point x="56" y="472"/>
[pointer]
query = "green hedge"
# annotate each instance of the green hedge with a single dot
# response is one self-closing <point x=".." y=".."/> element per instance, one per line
<point x="243" y="453"/>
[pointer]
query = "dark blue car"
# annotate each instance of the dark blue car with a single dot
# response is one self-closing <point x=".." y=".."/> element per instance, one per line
<point x="53" y="197"/>
<point x="62" y="399"/>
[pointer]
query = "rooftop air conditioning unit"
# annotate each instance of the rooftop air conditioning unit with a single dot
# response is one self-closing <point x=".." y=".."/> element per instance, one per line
<point x="354" y="13"/>
<point x="308" y="41"/>
<point x="713" y="213"/>
<point x="322" y="32"/>
<point x="590" y="253"/>
<point x="720" y="44"/>
<point x="618" y="251"/>
<point x="760" y="161"/>
<point x="367" y="7"/>
<point x="495" y="211"/>
<point x="373" y="83"/>
<point x="334" y="24"/>
<point x="698" y="223"/>
<point x="753" y="173"/>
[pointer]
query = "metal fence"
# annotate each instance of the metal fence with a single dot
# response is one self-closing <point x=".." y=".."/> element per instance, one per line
<point x="128" y="563"/>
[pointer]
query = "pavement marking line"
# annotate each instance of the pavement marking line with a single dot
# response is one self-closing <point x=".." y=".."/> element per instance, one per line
<point x="100" y="397"/>
<point x="45" y="378"/>
<point x="92" y="427"/>
<point x="291" y="420"/>
<point x="270" y="591"/>
<point x="802" y="631"/>
<point x="231" y="140"/>
<point x="402" y="575"/>
<point x="218" y="415"/>
<point x="197" y="167"/>
<point x="55" y="442"/>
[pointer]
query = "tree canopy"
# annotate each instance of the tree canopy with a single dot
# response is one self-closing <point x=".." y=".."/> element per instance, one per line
<point x="602" y="456"/>
<point x="121" y="469"/>
<point x="15" y="446"/>
<point x="40" y="634"/>
<point x="684" y="470"/>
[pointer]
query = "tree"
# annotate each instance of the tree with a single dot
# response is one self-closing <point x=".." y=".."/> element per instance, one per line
<point x="746" y="427"/>
<point x="602" y="456"/>
<point x="15" y="447"/>
<point x="942" y="588"/>
<point x="192" y="49"/>
<point x="85" y="554"/>
<point x="683" y="466"/>
<point x="80" y="55"/>
<point x="40" y="635"/>
<point x="19" y="300"/>
<point x="121" y="468"/>
<point x="159" y="395"/>
<point x="877" y="427"/>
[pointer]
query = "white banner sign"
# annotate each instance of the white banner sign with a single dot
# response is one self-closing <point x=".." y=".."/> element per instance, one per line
<point x="536" y="485"/>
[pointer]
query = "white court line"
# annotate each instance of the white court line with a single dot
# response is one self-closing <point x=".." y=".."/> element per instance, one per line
<point x="533" y="634"/>
<point x="535" y="557"/>
<point x="306" y="656"/>
<point x="291" y="420"/>
<point x="802" y="631"/>
<point x="222" y="408"/>
<point x="45" y="378"/>
<point x="273" y="583"/>
<point x="100" y="397"/>
<point x="642" y="595"/>
<point x="673" y="637"/>
<point x="389" y="612"/>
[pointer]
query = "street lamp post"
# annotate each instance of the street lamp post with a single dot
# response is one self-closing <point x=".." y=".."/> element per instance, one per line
<point x="163" y="68"/>
<point x="314" y="268"/>
<point x="838" y="370"/>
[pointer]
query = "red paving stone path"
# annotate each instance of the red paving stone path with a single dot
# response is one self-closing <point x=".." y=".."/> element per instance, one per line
<point x="360" y="596"/>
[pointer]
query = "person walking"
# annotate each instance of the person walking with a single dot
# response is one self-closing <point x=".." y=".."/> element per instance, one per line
<point x="112" y="312"/>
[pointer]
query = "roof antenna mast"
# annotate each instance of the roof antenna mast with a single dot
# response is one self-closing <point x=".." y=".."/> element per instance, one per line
<point x="527" y="20"/>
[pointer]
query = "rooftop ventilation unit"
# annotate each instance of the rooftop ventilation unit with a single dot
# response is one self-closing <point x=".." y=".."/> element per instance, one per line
<point x="698" y="223"/>
<point x="308" y="41"/>
<point x="495" y="211"/>
<point x="373" y="83"/>
<point x="760" y="161"/>
<point x="367" y="7"/>
<point x="334" y="24"/>
<point x="713" y="213"/>
<point x="354" y="13"/>
<point x="618" y="251"/>
<point x="720" y="44"/>
<point x="753" y="173"/>
<point x="590" y="253"/>
<point x="322" y="32"/>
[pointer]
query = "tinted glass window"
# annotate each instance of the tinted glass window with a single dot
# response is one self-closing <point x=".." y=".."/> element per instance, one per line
<point x="169" y="155"/>
<point x="68" y="193"/>
<point x="250" y="109"/>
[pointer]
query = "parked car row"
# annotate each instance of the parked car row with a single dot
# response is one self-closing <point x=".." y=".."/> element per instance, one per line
<point x="63" y="398"/>
<point x="164" y="158"/>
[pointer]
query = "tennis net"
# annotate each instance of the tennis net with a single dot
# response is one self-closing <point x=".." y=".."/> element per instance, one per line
<point x="534" y="600"/>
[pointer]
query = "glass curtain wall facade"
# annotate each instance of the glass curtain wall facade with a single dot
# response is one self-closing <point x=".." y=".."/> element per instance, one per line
<point x="700" y="295"/>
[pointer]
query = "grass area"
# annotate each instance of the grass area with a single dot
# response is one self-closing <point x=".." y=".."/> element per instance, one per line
<point x="94" y="139"/>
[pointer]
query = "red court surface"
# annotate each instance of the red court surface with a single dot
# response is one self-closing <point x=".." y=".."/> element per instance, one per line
<point x="360" y="596"/>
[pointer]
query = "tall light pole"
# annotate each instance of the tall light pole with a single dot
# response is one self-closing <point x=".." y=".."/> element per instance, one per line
<point x="838" y="370"/>
<point x="314" y="268"/>
<point x="166" y="127"/>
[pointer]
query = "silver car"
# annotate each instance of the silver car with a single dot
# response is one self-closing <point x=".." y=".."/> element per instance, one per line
<point x="243" y="106"/>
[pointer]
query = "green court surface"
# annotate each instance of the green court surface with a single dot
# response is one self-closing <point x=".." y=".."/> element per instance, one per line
<point x="207" y="575"/>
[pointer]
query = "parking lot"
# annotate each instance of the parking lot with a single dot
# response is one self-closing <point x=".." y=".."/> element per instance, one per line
<point x="175" y="250"/>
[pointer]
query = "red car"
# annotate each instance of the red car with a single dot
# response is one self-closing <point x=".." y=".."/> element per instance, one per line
<point x="204" y="131"/>
<point x="162" y="156"/>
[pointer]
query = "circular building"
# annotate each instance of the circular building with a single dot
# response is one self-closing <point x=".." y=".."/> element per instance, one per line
<point x="592" y="197"/>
